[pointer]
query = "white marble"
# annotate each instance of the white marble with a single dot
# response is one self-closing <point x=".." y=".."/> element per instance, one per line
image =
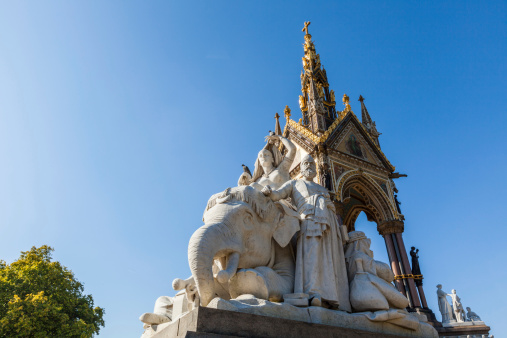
<point x="249" y="257"/>
<point x="162" y="312"/>
<point x="320" y="263"/>
<point x="371" y="287"/>
<point x="443" y="305"/>
<point x="271" y="167"/>
<point x="459" y="313"/>
<point x="243" y="230"/>
<point x="394" y="321"/>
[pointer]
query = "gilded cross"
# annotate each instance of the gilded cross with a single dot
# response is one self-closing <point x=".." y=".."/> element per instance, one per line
<point x="305" y="29"/>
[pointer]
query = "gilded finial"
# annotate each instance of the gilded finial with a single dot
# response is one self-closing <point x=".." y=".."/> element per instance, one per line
<point x="305" y="28"/>
<point x="346" y="100"/>
<point x="287" y="112"/>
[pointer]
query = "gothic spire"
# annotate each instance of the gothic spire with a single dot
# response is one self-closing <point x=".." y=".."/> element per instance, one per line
<point x="278" y="130"/>
<point x="368" y="123"/>
<point x="317" y="102"/>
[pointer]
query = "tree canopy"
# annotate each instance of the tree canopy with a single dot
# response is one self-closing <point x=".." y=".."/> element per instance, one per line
<point x="41" y="298"/>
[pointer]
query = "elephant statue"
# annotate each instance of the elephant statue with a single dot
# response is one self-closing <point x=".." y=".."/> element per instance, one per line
<point x="243" y="247"/>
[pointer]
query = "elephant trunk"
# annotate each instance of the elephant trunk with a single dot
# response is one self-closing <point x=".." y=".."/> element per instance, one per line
<point x="205" y="244"/>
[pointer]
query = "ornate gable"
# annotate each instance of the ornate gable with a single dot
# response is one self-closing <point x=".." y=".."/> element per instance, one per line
<point x="351" y="138"/>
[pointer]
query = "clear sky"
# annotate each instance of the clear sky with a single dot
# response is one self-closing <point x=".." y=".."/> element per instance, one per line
<point x="119" y="119"/>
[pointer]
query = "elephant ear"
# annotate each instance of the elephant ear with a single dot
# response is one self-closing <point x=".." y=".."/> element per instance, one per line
<point x="287" y="225"/>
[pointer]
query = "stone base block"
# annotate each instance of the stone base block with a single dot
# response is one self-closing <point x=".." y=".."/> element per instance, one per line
<point x="298" y="322"/>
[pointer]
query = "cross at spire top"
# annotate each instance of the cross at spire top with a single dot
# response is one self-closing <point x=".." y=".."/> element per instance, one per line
<point x="305" y="28"/>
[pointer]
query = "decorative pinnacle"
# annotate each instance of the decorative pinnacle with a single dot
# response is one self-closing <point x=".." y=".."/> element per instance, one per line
<point x="361" y="98"/>
<point x="287" y="112"/>
<point x="278" y="130"/>
<point x="346" y="100"/>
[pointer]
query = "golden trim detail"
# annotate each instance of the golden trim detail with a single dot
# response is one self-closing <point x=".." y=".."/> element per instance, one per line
<point x="405" y="276"/>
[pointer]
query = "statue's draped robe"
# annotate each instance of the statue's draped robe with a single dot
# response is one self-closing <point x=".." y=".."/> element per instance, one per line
<point x="444" y="306"/>
<point x="320" y="261"/>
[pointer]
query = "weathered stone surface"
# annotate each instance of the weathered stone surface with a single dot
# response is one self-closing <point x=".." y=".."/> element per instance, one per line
<point x="250" y="317"/>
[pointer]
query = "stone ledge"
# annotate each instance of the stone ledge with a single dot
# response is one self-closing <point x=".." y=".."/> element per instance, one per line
<point x="213" y="323"/>
<point x="472" y="330"/>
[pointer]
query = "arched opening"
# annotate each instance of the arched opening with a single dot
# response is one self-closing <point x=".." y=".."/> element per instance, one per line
<point x="378" y="245"/>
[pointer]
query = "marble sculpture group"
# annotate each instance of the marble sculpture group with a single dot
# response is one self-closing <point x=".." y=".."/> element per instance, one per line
<point x="279" y="240"/>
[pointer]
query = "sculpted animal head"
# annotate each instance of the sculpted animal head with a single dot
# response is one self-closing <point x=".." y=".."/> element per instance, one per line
<point x="247" y="209"/>
<point x="239" y="226"/>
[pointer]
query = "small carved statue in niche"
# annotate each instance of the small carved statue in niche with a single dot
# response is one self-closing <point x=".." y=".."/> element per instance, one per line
<point x="302" y="103"/>
<point x="332" y="96"/>
<point x="397" y="203"/>
<point x="320" y="90"/>
<point x="325" y="177"/>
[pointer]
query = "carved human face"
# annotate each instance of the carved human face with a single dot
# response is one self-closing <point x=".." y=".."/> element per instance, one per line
<point x="308" y="168"/>
<point x="265" y="158"/>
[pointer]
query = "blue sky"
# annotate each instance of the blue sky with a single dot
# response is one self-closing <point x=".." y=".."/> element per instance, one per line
<point x="119" y="119"/>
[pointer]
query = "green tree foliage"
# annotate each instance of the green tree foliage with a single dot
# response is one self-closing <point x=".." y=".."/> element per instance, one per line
<point x="41" y="298"/>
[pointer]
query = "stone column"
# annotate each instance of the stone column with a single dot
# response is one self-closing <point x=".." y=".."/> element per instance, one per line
<point x="406" y="265"/>
<point x="394" y="228"/>
<point x="422" y="296"/>
<point x="395" y="264"/>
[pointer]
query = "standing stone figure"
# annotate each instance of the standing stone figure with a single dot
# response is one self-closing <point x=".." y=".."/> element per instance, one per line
<point x="457" y="306"/>
<point x="416" y="270"/>
<point x="325" y="179"/>
<point x="397" y="204"/>
<point x="320" y="264"/>
<point x="443" y="305"/>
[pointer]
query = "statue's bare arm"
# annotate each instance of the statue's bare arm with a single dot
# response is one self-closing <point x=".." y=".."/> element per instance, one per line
<point x="282" y="193"/>
<point x="289" y="157"/>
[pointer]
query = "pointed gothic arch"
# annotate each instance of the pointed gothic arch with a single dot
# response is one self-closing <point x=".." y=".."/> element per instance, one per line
<point x="359" y="192"/>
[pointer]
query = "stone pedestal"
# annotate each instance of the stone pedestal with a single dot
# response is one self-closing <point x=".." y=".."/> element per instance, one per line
<point x="477" y="329"/>
<point x="268" y="319"/>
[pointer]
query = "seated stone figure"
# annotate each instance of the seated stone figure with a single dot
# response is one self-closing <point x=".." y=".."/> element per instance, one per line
<point x="472" y="316"/>
<point x="371" y="287"/>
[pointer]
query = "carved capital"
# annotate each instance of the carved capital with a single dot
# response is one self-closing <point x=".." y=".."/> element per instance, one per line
<point x="390" y="227"/>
